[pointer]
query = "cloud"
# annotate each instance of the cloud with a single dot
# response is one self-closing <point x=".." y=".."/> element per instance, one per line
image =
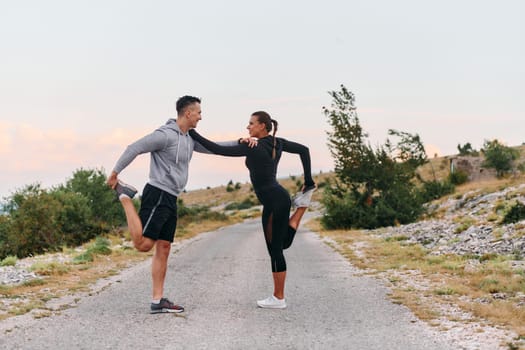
<point x="49" y="156"/>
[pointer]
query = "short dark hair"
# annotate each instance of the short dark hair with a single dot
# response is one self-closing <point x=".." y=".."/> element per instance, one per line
<point x="184" y="102"/>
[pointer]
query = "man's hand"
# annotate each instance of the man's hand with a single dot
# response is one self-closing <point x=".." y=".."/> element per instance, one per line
<point x="112" y="180"/>
<point x="251" y="141"/>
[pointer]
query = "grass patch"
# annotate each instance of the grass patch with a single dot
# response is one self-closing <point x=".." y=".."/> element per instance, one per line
<point x="464" y="224"/>
<point x="445" y="291"/>
<point x="247" y="203"/>
<point x="396" y="238"/>
<point x="49" y="268"/>
<point x="446" y="277"/>
<point x="34" y="282"/>
<point x="101" y="246"/>
<point x="9" y="261"/>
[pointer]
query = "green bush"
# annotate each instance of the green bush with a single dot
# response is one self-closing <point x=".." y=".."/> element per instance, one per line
<point x="515" y="213"/>
<point x="499" y="157"/>
<point x="344" y="210"/>
<point x="9" y="261"/>
<point x="74" y="218"/>
<point x="91" y="184"/>
<point x="245" y="204"/>
<point x="39" y="221"/>
<point x="5" y="228"/>
<point x="34" y="228"/>
<point x="458" y="177"/>
<point x="436" y="189"/>
<point x="343" y="213"/>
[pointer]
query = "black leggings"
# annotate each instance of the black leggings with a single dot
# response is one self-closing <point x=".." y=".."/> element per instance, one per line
<point x="277" y="233"/>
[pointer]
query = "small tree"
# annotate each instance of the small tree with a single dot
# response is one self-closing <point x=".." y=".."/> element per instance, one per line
<point x="374" y="187"/>
<point x="91" y="183"/>
<point x="499" y="157"/>
<point x="33" y="227"/>
<point x="467" y="150"/>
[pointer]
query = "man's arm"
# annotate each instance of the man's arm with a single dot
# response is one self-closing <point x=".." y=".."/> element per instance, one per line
<point x="155" y="141"/>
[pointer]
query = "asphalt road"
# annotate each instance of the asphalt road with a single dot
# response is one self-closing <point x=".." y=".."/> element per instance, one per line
<point x="218" y="276"/>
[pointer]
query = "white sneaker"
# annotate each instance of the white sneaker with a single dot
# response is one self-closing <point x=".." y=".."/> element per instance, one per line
<point x="272" y="303"/>
<point x="303" y="199"/>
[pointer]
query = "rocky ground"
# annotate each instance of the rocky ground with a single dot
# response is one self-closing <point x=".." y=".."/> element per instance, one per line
<point x="469" y="225"/>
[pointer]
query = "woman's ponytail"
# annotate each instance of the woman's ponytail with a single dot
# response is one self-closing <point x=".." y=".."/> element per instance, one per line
<point x="275" y="124"/>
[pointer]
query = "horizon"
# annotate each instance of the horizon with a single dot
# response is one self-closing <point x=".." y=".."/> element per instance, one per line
<point x="81" y="81"/>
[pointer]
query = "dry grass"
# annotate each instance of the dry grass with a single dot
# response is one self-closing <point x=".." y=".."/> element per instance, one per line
<point x="437" y="168"/>
<point x="220" y="196"/>
<point x="428" y="284"/>
<point x="62" y="279"/>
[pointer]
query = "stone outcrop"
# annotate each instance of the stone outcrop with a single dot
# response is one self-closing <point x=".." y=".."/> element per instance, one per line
<point x="471" y="166"/>
<point x="469" y="225"/>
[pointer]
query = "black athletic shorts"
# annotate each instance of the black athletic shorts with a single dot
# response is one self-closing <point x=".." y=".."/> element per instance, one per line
<point x="158" y="213"/>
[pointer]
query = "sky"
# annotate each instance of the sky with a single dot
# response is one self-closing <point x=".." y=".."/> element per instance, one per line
<point x="80" y="80"/>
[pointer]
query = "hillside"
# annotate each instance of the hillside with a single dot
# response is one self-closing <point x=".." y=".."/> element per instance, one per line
<point x="437" y="168"/>
<point x="220" y="196"/>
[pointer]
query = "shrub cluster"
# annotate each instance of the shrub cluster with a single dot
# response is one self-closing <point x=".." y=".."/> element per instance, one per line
<point x="432" y="190"/>
<point x="515" y="213"/>
<point x="458" y="177"/>
<point x="245" y="204"/>
<point x="39" y="220"/>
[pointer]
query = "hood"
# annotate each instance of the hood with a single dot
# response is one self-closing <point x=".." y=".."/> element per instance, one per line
<point x="172" y="124"/>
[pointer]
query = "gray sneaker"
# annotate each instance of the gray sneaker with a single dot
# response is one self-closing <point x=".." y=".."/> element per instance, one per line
<point x="165" y="306"/>
<point x="123" y="188"/>
<point x="303" y="199"/>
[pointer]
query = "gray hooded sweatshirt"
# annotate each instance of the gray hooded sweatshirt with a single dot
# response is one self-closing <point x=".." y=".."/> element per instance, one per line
<point x="171" y="151"/>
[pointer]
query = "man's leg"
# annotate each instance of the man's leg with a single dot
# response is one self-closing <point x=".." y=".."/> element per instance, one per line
<point x="143" y="244"/>
<point x="159" y="267"/>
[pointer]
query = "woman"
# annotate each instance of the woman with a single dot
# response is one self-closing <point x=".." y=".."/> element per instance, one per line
<point x="262" y="161"/>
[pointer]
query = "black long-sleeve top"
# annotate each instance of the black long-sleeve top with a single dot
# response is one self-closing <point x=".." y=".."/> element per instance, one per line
<point x="262" y="167"/>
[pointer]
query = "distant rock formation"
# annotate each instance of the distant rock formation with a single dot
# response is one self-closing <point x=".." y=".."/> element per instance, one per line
<point x="472" y="167"/>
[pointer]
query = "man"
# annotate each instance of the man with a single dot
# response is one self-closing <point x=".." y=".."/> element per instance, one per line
<point x="154" y="225"/>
